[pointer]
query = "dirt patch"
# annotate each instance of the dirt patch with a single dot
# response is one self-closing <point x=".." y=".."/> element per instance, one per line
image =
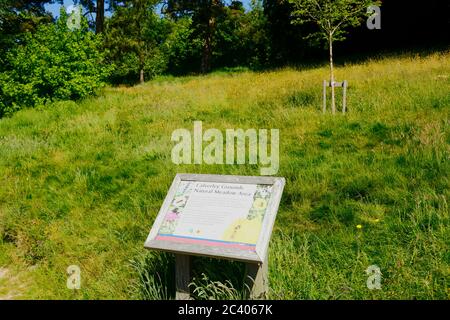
<point x="3" y="272"/>
<point x="8" y="284"/>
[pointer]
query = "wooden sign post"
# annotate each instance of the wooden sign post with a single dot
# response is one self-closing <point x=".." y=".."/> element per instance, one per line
<point x="344" y="86"/>
<point x="218" y="216"/>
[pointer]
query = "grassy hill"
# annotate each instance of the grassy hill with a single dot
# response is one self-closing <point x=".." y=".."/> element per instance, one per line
<point x="80" y="184"/>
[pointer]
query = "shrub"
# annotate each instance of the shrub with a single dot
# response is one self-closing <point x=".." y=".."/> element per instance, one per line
<point x="183" y="48"/>
<point x="53" y="63"/>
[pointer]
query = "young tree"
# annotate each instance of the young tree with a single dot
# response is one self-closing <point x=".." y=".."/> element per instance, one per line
<point x="333" y="17"/>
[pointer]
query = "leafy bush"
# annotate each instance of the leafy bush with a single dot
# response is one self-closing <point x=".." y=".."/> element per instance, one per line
<point x="183" y="48"/>
<point x="238" y="39"/>
<point x="54" y="63"/>
<point x="241" y="38"/>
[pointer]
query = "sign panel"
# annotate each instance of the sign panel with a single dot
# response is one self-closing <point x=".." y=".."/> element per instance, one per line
<point x="220" y="216"/>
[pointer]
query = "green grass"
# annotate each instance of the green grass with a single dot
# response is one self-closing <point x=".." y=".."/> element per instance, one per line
<point x="82" y="182"/>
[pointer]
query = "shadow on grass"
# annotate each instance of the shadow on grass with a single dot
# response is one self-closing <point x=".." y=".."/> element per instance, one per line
<point x="316" y="59"/>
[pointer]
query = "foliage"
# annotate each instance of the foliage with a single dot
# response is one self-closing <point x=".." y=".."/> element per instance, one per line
<point x="182" y="48"/>
<point x="134" y="36"/>
<point x="16" y="18"/>
<point x="96" y="8"/>
<point x="207" y="289"/>
<point x="333" y="17"/>
<point x="241" y="37"/>
<point x="286" y="42"/>
<point x="211" y="278"/>
<point x="155" y="276"/>
<point x="54" y="63"/>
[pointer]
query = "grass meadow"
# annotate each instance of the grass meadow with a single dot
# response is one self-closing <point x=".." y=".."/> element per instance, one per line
<point x="81" y="182"/>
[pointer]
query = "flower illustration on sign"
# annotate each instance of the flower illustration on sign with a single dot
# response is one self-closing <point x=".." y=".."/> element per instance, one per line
<point x="171" y="216"/>
<point x="176" y="208"/>
<point x="259" y="204"/>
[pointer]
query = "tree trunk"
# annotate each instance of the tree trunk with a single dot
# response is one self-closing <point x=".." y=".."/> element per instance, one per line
<point x="100" y="16"/>
<point x="206" y="52"/>
<point x="141" y="76"/>
<point x="333" y="99"/>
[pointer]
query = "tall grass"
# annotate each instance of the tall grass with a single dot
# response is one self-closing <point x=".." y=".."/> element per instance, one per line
<point x="82" y="182"/>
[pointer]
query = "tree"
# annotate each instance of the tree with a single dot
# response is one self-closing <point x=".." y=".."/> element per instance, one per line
<point x="52" y="63"/>
<point x="181" y="48"/>
<point x="241" y="37"/>
<point x="229" y="40"/>
<point x="133" y="36"/>
<point x="97" y="7"/>
<point x="256" y="29"/>
<point x="333" y="17"/>
<point x="18" y="17"/>
<point x="204" y="15"/>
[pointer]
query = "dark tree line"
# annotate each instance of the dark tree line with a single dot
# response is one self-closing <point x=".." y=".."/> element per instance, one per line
<point x="404" y="25"/>
<point x="214" y="22"/>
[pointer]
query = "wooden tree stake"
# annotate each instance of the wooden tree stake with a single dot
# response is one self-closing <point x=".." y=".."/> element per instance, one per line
<point x="344" y="96"/>
<point x="344" y="86"/>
